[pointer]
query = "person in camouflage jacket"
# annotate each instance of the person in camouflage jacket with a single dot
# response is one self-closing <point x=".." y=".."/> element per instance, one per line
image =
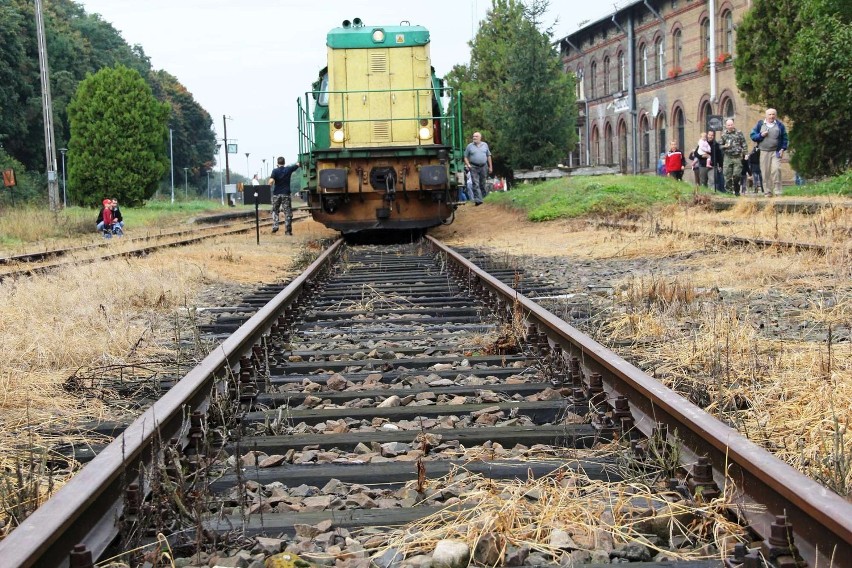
<point x="734" y="146"/>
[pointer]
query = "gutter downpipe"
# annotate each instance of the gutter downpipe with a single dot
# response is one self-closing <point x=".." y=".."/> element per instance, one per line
<point x="631" y="93"/>
<point x="712" y="54"/>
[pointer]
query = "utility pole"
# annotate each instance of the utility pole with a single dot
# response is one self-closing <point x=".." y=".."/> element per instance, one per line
<point x="227" y="167"/>
<point x="47" y="112"/>
<point x="172" y="162"/>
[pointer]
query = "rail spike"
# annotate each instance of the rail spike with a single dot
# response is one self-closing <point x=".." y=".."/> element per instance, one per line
<point x="701" y="482"/>
<point x="80" y="557"/>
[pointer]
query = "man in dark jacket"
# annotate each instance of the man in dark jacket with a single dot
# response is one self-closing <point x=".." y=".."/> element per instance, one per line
<point x="279" y="179"/>
<point x="717" y="159"/>
<point x="771" y="138"/>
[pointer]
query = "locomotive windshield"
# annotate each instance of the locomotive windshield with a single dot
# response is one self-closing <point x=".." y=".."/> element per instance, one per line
<point x="322" y="100"/>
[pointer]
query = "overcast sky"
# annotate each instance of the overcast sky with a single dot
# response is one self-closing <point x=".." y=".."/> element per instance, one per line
<point x="251" y="59"/>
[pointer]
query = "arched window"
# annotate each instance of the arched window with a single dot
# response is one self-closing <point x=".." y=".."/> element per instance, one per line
<point x="593" y="80"/>
<point x="661" y="59"/>
<point x="581" y="94"/>
<point x="728" y="27"/>
<point x="704" y="112"/>
<point x="680" y="125"/>
<point x="645" y="147"/>
<point x="606" y="83"/>
<point x="595" y="143"/>
<point x="622" y="72"/>
<point x="728" y="108"/>
<point x="643" y="80"/>
<point x="705" y="38"/>
<point x="608" y="144"/>
<point x="622" y="146"/>
<point x="677" y="43"/>
<point x="662" y="142"/>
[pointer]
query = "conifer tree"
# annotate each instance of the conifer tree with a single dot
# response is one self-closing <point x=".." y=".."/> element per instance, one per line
<point x="118" y="138"/>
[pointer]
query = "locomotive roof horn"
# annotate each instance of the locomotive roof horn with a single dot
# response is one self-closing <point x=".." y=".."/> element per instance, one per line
<point x="356" y="22"/>
<point x="347" y="24"/>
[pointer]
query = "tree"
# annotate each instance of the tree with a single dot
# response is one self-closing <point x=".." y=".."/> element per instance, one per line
<point x="118" y="138"/>
<point x="538" y="102"/>
<point x="511" y="84"/>
<point x="804" y="72"/>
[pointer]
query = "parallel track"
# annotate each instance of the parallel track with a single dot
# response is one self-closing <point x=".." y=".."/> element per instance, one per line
<point x="427" y="307"/>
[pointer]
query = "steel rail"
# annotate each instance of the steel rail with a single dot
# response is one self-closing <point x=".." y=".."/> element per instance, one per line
<point x="86" y="511"/>
<point x="822" y="520"/>
<point x="134" y="252"/>
<point x="726" y="239"/>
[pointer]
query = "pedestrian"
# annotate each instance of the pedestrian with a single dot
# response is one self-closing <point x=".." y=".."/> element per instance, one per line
<point x="477" y="157"/>
<point x="254" y="180"/>
<point x="745" y="176"/>
<point x="118" y="219"/>
<point x="734" y="146"/>
<point x="104" y="222"/>
<point x="702" y="153"/>
<point x="693" y="163"/>
<point x="754" y="167"/>
<point x="279" y="179"/>
<point x="675" y="162"/>
<point x="771" y="137"/>
<point x="716" y="161"/>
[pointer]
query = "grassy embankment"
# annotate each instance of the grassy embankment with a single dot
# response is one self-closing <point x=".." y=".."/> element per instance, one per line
<point x="29" y="223"/>
<point x="625" y="195"/>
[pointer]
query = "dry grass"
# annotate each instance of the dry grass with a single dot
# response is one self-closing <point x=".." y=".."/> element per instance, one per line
<point x="793" y="395"/>
<point x="596" y="514"/>
<point x="112" y="321"/>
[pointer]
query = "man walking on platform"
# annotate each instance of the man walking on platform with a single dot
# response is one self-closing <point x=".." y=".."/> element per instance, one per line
<point x="771" y="138"/>
<point x="477" y="156"/>
<point x="734" y="146"/>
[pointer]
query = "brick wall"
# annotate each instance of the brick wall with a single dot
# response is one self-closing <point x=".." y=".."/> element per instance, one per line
<point x="672" y="59"/>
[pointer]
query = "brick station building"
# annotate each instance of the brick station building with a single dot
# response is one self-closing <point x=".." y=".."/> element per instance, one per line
<point x="653" y="71"/>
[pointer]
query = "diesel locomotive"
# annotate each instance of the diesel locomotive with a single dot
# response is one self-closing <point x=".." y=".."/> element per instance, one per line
<point x="380" y="136"/>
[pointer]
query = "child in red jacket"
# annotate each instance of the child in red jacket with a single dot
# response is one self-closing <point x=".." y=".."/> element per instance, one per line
<point x="675" y="162"/>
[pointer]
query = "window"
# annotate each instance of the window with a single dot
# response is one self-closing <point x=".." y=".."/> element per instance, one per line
<point x="728" y="108"/>
<point x="661" y="133"/>
<point x="680" y="126"/>
<point x="728" y="26"/>
<point x="322" y="100"/>
<point x="644" y="78"/>
<point x="677" y="42"/>
<point x="606" y="83"/>
<point x="705" y="38"/>
<point x="581" y="95"/>
<point x="704" y="113"/>
<point x="593" y="80"/>
<point x="646" y="143"/>
<point x="595" y="143"/>
<point x="622" y="72"/>
<point x="661" y="60"/>
<point x="608" y="144"/>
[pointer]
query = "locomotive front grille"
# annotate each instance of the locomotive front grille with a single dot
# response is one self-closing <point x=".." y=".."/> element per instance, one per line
<point x="381" y="130"/>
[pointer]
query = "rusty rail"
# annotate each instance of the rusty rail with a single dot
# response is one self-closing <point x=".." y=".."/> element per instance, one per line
<point x="821" y="520"/>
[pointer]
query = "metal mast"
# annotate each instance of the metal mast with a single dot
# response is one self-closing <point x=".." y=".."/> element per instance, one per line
<point x="47" y="111"/>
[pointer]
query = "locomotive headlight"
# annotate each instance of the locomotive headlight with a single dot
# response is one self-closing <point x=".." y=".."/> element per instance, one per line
<point x="337" y="135"/>
<point x="378" y="36"/>
<point x="425" y="133"/>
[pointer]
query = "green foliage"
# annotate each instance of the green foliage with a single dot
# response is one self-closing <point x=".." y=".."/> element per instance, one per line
<point x="592" y="195"/>
<point x="29" y="186"/>
<point x="118" y="141"/>
<point x="839" y="185"/>
<point x="78" y="44"/>
<point x="538" y="101"/>
<point x="793" y="55"/>
<point x="509" y="85"/>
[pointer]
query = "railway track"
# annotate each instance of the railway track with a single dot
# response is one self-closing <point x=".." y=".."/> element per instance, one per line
<point x="351" y="399"/>
<point x="42" y="261"/>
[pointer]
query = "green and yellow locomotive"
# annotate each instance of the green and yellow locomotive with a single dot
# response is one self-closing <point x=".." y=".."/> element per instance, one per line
<point x="377" y="149"/>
